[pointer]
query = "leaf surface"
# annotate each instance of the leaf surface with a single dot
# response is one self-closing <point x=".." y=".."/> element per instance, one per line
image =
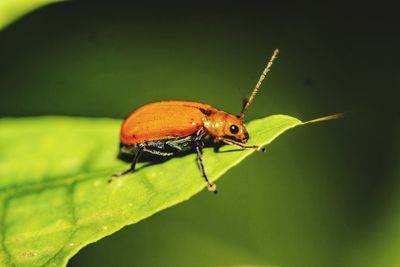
<point x="54" y="194"/>
<point x="11" y="10"/>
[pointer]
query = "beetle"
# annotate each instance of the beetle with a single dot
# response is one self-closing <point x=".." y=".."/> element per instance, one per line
<point x="170" y="128"/>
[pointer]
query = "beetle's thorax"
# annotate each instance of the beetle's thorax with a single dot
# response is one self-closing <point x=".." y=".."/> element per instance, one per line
<point x="215" y="122"/>
<point x="219" y="123"/>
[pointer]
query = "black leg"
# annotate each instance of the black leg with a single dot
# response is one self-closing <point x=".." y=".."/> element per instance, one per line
<point x="131" y="169"/>
<point x="199" y="146"/>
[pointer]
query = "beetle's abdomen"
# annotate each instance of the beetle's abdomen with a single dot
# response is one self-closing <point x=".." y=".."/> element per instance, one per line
<point x="162" y="120"/>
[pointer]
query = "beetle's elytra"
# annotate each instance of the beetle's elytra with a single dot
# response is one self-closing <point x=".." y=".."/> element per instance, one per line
<point x="168" y="128"/>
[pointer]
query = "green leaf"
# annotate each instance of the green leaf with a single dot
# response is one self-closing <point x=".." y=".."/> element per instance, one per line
<point x="54" y="194"/>
<point x="11" y="10"/>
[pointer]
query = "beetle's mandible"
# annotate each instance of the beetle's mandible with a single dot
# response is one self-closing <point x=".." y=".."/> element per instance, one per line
<point x="149" y="130"/>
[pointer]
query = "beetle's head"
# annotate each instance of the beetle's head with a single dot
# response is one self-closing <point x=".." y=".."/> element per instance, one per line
<point x="228" y="126"/>
<point x="235" y="129"/>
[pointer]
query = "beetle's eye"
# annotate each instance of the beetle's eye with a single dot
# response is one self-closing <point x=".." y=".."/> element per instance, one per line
<point x="234" y="129"/>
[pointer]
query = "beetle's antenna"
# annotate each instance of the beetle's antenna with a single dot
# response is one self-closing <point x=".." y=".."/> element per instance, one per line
<point x="262" y="77"/>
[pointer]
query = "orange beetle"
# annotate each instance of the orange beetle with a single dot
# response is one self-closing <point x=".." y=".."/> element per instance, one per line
<point x="169" y="128"/>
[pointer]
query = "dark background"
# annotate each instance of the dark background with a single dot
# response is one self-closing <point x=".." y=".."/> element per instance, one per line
<point x="322" y="195"/>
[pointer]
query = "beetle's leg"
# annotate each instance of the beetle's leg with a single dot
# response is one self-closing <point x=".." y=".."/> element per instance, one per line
<point x="131" y="169"/>
<point x="241" y="145"/>
<point x="210" y="185"/>
<point x="199" y="160"/>
<point x="199" y="146"/>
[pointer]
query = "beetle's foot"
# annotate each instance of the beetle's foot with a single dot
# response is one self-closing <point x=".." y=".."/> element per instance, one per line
<point x="260" y="149"/>
<point x="114" y="176"/>
<point x="212" y="187"/>
<point x="119" y="174"/>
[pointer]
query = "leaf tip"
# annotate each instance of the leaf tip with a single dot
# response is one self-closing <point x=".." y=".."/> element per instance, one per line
<point x="328" y="118"/>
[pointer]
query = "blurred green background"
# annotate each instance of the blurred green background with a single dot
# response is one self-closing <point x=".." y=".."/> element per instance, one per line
<point x="322" y="195"/>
